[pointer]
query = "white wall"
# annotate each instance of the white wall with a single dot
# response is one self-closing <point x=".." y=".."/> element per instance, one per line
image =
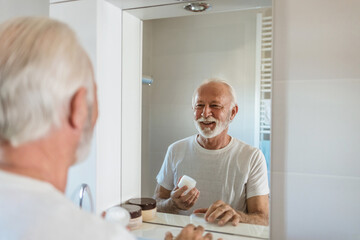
<point x="179" y="53"/>
<point x="131" y="108"/>
<point x="16" y="8"/>
<point x="316" y="131"/>
<point x="97" y="24"/>
<point x="84" y="26"/>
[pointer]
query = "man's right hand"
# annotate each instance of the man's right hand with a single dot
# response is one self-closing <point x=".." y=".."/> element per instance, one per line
<point x="190" y="232"/>
<point x="184" y="201"/>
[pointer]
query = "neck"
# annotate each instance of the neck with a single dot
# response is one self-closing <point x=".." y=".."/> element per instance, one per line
<point x="44" y="160"/>
<point x="217" y="142"/>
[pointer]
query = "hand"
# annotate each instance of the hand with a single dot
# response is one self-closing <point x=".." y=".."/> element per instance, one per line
<point x="184" y="201"/>
<point x="190" y="232"/>
<point x="222" y="211"/>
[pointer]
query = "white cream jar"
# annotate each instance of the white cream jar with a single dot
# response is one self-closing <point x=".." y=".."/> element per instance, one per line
<point x="187" y="181"/>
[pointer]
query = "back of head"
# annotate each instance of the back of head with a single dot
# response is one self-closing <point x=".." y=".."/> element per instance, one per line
<point x="41" y="67"/>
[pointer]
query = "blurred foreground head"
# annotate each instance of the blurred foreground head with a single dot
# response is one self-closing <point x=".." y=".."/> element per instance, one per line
<point x="42" y="65"/>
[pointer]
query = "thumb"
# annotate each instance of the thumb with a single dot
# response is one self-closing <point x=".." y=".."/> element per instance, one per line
<point x="178" y="180"/>
<point x="200" y="210"/>
<point x="168" y="236"/>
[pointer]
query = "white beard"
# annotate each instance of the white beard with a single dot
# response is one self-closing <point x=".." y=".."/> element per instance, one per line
<point x="207" y="132"/>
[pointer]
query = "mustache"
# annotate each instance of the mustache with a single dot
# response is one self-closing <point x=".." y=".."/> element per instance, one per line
<point x="208" y="119"/>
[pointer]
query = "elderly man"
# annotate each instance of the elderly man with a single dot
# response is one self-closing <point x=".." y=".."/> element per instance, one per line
<point x="48" y="109"/>
<point x="230" y="174"/>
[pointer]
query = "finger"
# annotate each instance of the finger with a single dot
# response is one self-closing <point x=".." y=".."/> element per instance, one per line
<point x="168" y="236"/>
<point x="227" y="216"/>
<point x="236" y="220"/>
<point x="192" y="226"/>
<point x="208" y="236"/>
<point x="180" y="191"/>
<point x="193" y="201"/>
<point x="200" y="210"/>
<point x="188" y="198"/>
<point x="179" y="180"/>
<point x="199" y="230"/>
<point x="212" y="208"/>
<point x="217" y="213"/>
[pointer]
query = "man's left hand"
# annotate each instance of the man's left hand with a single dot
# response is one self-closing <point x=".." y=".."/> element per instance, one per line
<point x="221" y="211"/>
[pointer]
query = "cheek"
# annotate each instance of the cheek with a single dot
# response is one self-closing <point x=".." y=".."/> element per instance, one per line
<point x="222" y="116"/>
<point x="197" y="114"/>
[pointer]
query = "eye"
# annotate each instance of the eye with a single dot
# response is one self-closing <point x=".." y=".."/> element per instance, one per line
<point x="199" y="105"/>
<point x="215" y="106"/>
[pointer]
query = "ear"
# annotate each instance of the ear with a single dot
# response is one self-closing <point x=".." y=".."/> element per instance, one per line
<point x="78" y="109"/>
<point x="234" y="111"/>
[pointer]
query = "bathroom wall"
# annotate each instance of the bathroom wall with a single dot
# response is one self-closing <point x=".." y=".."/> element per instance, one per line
<point x="97" y="24"/>
<point x="83" y="26"/>
<point x="14" y="8"/>
<point x="316" y="115"/>
<point x="179" y="53"/>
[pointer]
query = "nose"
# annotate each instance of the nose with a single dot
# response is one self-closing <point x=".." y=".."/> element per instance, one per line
<point x="206" y="111"/>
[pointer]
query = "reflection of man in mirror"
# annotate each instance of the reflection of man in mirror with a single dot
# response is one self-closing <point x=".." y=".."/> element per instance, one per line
<point x="231" y="175"/>
<point x="48" y="109"/>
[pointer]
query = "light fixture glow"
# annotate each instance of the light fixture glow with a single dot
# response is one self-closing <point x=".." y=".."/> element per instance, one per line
<point x="197" y="7"/>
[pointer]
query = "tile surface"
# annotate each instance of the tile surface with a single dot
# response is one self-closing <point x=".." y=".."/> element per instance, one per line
<point x="316" y="39"/>
<point x="306" y="206"/>
<point x="316" y="127"/>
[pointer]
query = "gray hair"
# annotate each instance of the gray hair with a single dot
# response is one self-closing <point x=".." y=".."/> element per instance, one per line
<point x="217" y="80"/>
<point x="41" y="66"/>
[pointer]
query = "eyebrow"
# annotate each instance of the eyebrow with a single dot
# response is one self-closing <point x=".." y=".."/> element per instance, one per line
<point x="212" y="102"/>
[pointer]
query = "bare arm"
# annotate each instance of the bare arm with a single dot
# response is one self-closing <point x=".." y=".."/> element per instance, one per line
<point x="175" y="201"/>
<point x="163" y="201"/>
<point x="258" y="212"/>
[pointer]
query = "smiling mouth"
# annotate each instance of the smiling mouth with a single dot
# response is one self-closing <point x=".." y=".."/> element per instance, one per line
<point x="207" y="123"/>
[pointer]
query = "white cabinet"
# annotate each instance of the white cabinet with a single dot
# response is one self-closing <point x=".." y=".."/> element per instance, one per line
<point x="97" y="24"/>
<point x="127" y="4"/>
<point x="59" y="1"/>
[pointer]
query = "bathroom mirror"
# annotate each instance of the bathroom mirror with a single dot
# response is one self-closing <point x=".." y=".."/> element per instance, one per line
<point x="231" y="41"/>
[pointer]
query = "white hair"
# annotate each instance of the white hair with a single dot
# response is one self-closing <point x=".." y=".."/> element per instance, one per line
<point x="41" y="66"/>
<point x="217" y="80"/>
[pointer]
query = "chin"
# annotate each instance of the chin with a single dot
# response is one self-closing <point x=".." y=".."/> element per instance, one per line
<point x="207" y="133"/>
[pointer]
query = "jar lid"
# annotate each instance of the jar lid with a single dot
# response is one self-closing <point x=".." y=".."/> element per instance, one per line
<point x="135" y="211"/>
<point x="144" y="203"/>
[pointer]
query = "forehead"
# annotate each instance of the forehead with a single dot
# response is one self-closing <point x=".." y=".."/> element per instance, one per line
<point x="213" y="91"/>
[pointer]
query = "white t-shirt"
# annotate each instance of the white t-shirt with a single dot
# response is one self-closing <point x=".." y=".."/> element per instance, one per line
<point x="232" y="174"/>
<point x="32" y="209"/>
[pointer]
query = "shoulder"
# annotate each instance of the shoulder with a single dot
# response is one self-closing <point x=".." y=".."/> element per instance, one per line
<point x="242" y="146"/>
<point x="102" y="229"/>
<point x="182" y="144"/>
<point x="96" y="227"/>
<point x="44" y="203"/>
<point x="252" y="153"/>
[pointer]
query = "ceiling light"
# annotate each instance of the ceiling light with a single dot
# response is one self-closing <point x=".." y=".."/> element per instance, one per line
<point x="197" y="7"/>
